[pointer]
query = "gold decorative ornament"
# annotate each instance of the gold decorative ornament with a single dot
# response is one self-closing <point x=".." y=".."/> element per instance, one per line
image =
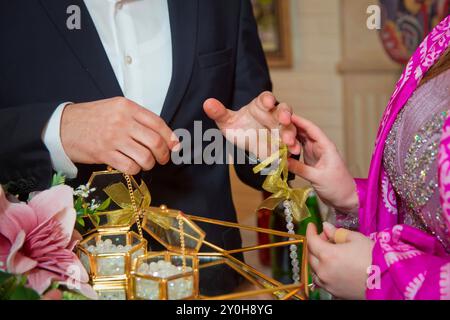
<point x="110" y="248"/>
<point x="277" y="184"/>
<point x="108" y="255"/>
<point x="176" y="272"/>
<point x="136" y="212"/>
<point x="181" y="283"/>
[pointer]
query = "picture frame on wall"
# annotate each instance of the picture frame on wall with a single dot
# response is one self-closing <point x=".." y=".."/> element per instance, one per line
<point x="273" y="20"/>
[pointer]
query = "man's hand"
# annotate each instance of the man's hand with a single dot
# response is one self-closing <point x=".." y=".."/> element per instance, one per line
<point x="116" y="132"/>
<point x="261" y="113"/>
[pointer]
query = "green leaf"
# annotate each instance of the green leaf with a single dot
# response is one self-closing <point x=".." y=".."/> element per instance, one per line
<point x="78" y="205"/>
<point x="22" y="280"/>
<point x="104" y="205"/>
<point x="81" y="222"/>
<point x="7" y="288"/>
<point x="58" y="179"/>
<point x="96" y="218"/>
<point x="24" y="293"/>
<point x="69" y="295"/>
<point x="55" y="285"/>
<point x="4" y="276"/>
<point x="13" y="287"/>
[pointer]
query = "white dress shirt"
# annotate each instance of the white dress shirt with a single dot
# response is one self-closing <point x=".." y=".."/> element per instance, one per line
<point x="137" y="39"/>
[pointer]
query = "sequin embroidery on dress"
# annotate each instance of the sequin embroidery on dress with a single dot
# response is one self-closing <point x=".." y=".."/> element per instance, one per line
<point x="410" y="157"/>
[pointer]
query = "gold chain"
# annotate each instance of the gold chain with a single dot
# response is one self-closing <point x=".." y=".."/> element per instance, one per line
<point x="183" y="246"/>
<point x="138" y="220"/>
<point x="134" y="206"/>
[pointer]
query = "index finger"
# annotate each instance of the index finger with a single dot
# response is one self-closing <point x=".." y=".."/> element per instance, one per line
<point x="309" y="128"/>
<point x="316" y="245"/>
<point x="284" y="113"/>
<point x="157" y="124"/>
<point x="266" y="101"/>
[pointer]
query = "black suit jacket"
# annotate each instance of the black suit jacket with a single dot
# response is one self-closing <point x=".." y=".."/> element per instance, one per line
<point x="216" y="53"/>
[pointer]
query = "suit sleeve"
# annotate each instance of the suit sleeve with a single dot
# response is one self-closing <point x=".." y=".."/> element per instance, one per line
<point x="251" y="78"/>
<point x="25" y="163"/>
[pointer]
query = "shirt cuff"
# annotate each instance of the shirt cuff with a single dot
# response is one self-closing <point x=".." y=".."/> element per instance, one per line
<point x="52" y="139"/>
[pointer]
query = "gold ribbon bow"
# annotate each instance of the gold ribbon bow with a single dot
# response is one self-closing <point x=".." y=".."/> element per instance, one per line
<point x="120" y="195"/>
<point x="277" y="184"/>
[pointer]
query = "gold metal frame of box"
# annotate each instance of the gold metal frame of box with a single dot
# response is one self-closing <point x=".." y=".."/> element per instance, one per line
<point x="268" y="285"/>
<point x="107" y="227"/>
<point x="263" y="283"/>
<point x="196" y="234"/>
<point x="108" y="286"/>
<point x="238" y="265"/>
<point x="163" y="282"/>
<point x="93" y="258"/>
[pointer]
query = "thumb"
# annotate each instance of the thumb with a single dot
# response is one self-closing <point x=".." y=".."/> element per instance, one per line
<point x="330" y="231"/>
<point x="216" y="111"/>
<point x="311" y="230"/>
<point x="316" y="244"/>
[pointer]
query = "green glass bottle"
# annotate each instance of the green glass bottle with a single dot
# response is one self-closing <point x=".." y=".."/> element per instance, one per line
<point x="280" y="256"/>
<point x="316" y="218"/>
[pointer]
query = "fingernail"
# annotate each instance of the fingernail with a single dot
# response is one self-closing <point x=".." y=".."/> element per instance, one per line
<point x="292" y="141"/>
<point x="328" y="225"/>
<point x="177" y="147"/>
<point x="294" y="152"/>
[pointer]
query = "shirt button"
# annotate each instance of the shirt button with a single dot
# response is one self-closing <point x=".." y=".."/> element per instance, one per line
<point x="128" y="59"/>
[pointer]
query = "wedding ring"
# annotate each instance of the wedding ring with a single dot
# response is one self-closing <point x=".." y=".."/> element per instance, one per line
<point x="340" y="236"/>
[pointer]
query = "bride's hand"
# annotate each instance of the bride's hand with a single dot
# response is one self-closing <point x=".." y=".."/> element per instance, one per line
<point x="341" y="269"/>
<point x="324" y="167"/>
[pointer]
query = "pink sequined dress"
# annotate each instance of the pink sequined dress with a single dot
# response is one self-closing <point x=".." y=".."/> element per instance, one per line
<point x="405" y="201"/>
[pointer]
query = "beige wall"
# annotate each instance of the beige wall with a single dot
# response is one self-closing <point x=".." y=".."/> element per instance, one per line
<point x="313" y="86"/>
<point x="341" y="79"/>
<point x="368" y="77"/>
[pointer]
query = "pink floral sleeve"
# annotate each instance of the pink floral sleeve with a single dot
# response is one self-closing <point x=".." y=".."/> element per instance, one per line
<point x="444" y="173"/>
<point x="408" y="264"/>
<point x="411" y="263"/>
<point x="361" y="189"/>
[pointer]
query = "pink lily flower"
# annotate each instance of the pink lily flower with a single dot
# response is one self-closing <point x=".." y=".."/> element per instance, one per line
<point x="36" y="239"/>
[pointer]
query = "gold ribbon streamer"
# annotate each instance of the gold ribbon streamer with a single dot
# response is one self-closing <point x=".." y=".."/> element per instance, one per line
<point x="277" y="184"/>
<point x="120" y="195"/>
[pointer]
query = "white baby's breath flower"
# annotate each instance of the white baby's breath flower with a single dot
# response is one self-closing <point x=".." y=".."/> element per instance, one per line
<point x="94" y="205"/>
<point x="83" y="191"/>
